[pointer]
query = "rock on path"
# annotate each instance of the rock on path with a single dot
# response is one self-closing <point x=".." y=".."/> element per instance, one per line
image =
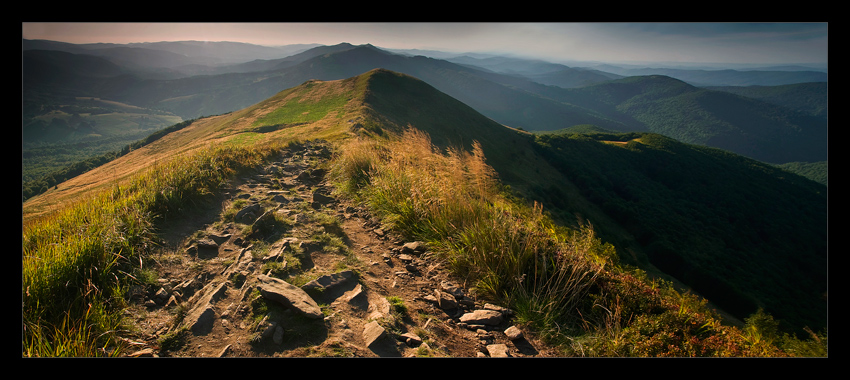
<point x="288" y="295"/>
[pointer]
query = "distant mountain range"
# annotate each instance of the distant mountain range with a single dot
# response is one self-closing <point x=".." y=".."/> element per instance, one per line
<point x="728" y="77"/>
<point x="531" y="95"/>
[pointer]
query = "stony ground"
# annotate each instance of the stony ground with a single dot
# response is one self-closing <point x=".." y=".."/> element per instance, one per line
<point x="327" y="282"/>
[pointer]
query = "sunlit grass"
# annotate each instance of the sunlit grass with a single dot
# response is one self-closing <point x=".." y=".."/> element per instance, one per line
<point x="77" y="262"/>
<point x="307" y="107"/>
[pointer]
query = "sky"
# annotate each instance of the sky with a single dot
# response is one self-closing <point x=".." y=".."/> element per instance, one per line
<point x="735" y="42"/>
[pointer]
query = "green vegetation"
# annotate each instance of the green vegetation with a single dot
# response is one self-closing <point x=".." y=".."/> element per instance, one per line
<point x="769" y="130"/>
<point x="38" y="186"/>
<point x="398" y="305"/>
<point x="59" y="130"/>
<point x="815" y="171"/>
<point x="810" y="98"/>
<point x="306" y="109"/>
<point x="454" y="203"/>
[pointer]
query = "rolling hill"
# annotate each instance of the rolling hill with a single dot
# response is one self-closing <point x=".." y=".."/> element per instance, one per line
<point x="56" y="88"/>
<point x="747" y="126"/>
<point x="809" y="98"/>
<point x="727" y="77"/>
<point x="741" y="233"/>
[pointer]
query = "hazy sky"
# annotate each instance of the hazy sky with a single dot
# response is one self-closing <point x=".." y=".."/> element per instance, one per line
<point x="772" y="43"/>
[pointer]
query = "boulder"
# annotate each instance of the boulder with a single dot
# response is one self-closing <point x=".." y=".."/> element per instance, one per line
<point x="288" y="295"/>
<point x="372" y="333"/>
<point x="331" y="286"/>
<point x="482" y="317"/>
<point x="378" y="341"/>
<point x="497" y="350"/>
<point x="207" y="243"/>
<point x="248" y="214"/>
<point x="445" y="300"/>
<point x="320" y="198"/>
<point x="413" y="247"/>
<point x="513" y="333"/>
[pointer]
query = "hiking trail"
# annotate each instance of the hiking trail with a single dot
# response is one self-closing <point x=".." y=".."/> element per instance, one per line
<point x="226" y="281"/>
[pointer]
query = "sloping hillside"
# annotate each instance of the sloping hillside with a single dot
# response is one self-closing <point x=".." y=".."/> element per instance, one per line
<point x="737" y="231"/>
<point x="809" y="98"/>
<point x="576" y="180"/>
<point x="253" y="125"/>
<point x="393" y="276"/>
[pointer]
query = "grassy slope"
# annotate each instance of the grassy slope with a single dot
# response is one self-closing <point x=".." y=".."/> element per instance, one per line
<point x="506" y="150"/>
<point x="403" y="102"/>
<point x="512" y="153"/>
<point x="88" y="228"/>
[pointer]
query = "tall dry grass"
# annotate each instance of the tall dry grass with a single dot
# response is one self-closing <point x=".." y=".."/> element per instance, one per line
<point x="510" y="251"/>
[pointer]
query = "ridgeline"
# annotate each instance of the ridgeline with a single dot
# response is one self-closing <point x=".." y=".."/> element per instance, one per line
<point x="591" y="244"/>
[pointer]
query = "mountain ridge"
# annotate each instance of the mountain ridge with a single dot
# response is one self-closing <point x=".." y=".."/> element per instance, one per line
<point x="512" y="100"/>
<point x="381" y="101"/>
<point x="728" y="77"/>
<point x="682" y="213"/>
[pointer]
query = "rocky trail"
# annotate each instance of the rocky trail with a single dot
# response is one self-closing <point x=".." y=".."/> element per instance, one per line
<point x="328" y="282"/>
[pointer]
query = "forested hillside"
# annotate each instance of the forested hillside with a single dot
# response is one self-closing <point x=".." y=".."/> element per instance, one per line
<point x="809" y="98"/>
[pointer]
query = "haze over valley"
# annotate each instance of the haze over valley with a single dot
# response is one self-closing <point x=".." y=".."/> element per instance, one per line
<point x="166" y="82"/>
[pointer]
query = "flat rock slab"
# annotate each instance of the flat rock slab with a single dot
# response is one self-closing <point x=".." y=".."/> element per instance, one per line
<point x="497" y="350"/>
<point x="482" y="317"/>
<point x="331" y="280"/>
<point x="378" y="341"/>
<point x="202" y="316"/>
<point x="332" y="286"/>
<point x="289" y="295"/>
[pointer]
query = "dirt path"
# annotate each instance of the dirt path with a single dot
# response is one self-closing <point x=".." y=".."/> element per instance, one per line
<point x="213" y="260"/>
